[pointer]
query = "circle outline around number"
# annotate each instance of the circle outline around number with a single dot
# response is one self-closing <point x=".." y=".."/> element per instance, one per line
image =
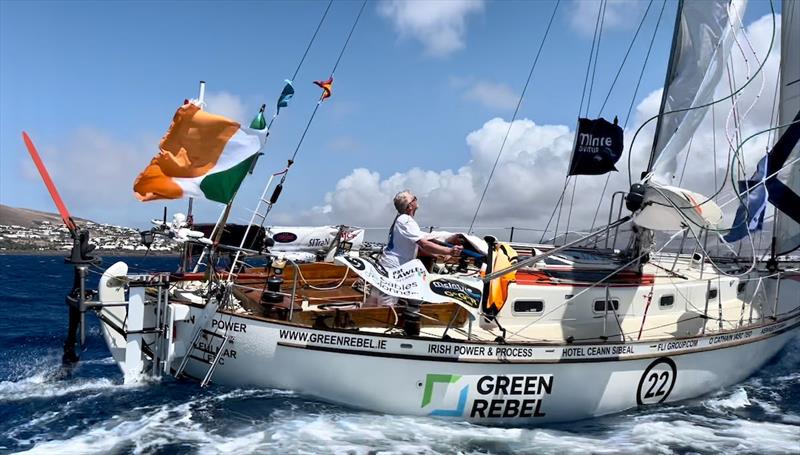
<point x="670" y="363"/>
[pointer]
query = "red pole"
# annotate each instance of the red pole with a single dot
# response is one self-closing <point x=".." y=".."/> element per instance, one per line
<point x="51" y="187"/>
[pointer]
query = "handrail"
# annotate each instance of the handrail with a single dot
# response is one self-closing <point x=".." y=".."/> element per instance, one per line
<point x="539" y="257"/>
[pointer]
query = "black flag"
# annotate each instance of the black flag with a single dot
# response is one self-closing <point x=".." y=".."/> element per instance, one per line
<point x="598" y="146"/>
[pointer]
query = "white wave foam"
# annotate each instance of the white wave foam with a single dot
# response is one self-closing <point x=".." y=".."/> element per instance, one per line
<point x="738" y="399"/>
<point x="104" y="361"/>
<point x="721" y="435"/>
<point x="299" y="426"/>
<point x="291" y="431"/>
<point x="42" y="386"/>
<point x="158" y="427"/>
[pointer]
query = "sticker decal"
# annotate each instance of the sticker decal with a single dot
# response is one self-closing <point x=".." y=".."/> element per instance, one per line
<point x="657" y="382"/>
<point x="457" y="290"/>
<point x="486" y="396"/>
<point x="357" y="263"/>
<point x="284" y="237"/>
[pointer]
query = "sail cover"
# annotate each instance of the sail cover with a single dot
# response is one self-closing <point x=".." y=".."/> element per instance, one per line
<point x="787" y="227"/>
<point x="701" y="49"/>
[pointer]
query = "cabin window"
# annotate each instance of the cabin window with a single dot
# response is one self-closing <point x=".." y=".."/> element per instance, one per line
<point x="740" y="287"/>
<point x="666" y="301"/>
<point x="600" y="305"/>
<point x="528" y="306"/>
<point x="712" y="294"/>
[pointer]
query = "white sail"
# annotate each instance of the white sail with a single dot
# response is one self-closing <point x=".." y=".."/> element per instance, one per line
<point x="702" y="48"/>
<point x="787" y="230"/>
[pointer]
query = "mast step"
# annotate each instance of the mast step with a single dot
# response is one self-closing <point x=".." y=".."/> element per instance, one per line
<point x="200" y="359"/>
<point x="187" y="375"/>
<point x="214" y="334"/>
<point x="198" y="348"/>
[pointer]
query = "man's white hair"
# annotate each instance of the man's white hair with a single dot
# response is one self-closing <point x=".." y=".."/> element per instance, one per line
<point x="402" y="200"/>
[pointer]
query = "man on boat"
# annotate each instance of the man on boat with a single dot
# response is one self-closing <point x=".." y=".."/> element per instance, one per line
<point x="405" y="241"/>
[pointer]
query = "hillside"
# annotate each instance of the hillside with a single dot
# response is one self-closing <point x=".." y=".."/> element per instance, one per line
<point x="26" y="217"/>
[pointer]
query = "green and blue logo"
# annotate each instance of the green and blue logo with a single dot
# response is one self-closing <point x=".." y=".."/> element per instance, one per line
<point x="433" y="379"/>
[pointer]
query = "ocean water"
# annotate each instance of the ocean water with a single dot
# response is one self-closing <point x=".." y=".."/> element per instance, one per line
<point x="93" y="412"/>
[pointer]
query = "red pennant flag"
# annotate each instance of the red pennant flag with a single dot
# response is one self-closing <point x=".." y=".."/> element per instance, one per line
<point x="326" y="86"/>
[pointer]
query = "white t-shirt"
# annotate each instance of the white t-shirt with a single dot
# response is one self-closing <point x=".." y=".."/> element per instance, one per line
<point x="402" y="246"/>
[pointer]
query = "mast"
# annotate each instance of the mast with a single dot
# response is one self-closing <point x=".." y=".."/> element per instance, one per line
<point x="670" y="66"/>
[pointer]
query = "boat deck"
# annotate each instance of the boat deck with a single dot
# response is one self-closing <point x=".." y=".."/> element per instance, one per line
<point x="672" y="298"/>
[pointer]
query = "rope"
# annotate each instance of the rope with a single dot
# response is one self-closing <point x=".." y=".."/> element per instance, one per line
<point x="514" y="117"/>
<point x="703" y="106"/>
<point x="320" y="288"/>
<point x="712" y="103"/>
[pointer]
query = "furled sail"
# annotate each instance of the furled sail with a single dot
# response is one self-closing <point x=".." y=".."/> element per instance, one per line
<point x="703" y="39"/>
<point x="787" y="226"/>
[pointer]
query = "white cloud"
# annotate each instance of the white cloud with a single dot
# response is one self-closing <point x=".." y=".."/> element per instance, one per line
<point x="438" y="25"/>
<point x="227" y="105"/>
<point x="530" y="174"/>
<point x="618" y="14"/>
<point x="492" y="95"/>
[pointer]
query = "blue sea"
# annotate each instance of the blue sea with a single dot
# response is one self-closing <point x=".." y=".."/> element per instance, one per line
<point x="91" y="411"/>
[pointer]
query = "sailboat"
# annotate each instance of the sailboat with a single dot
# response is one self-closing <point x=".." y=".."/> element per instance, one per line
<point x="512" y="332"/>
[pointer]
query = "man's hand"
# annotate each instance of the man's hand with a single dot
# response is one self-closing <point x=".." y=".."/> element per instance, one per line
<point x="456" y="250"/>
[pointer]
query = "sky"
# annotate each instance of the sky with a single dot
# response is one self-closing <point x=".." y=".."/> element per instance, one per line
<point x="422" y="99"/>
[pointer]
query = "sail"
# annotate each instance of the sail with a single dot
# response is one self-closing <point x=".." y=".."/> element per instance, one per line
<point x="702" y="43"/>
<point x="787" y="227"/>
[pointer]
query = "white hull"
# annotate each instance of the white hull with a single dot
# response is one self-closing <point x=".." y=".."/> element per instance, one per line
<point x="387" y="377"/>
<point x="481" y="382"/>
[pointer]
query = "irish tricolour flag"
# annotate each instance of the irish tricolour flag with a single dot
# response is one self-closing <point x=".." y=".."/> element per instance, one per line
<point x="202" y="155"/>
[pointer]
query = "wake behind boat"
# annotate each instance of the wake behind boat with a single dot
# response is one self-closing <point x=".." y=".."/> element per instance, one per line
<point x="511" y="332"/>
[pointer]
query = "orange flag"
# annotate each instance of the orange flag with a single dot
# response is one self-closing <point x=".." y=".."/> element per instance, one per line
<point x="326" y="86"/>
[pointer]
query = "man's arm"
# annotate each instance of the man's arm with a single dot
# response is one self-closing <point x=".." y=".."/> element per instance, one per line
<point x="436" y="249"/>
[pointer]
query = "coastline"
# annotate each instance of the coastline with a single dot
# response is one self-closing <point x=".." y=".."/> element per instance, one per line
<point x="98" y="253"/>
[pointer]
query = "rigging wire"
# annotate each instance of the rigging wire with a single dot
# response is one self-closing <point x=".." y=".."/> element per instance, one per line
<point x="223" y="215"/>
<point x="558" y="204"/>
<point x="635" y="91"/>
<point x="290" y="162"/>
<point x="313" y="37"/>
<point x="732" y="161"/>
<point x="596" y="55"/>
<point x="703" y="106"/>
<point x="730" y="96"/>
<point x="739" y="197"/>
<point x="593" y="56"/>
<point x="303" y="58"/>
<point x="628" y="52"/>
<point x="514" y="117"/>
<point x="589" y="100"/>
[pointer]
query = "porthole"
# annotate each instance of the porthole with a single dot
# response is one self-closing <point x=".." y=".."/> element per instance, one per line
<point x="600" y="305"/>
<point x="712" y="294"/>
<point x="528" y="306"/>
<point x="666" y="301"/>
